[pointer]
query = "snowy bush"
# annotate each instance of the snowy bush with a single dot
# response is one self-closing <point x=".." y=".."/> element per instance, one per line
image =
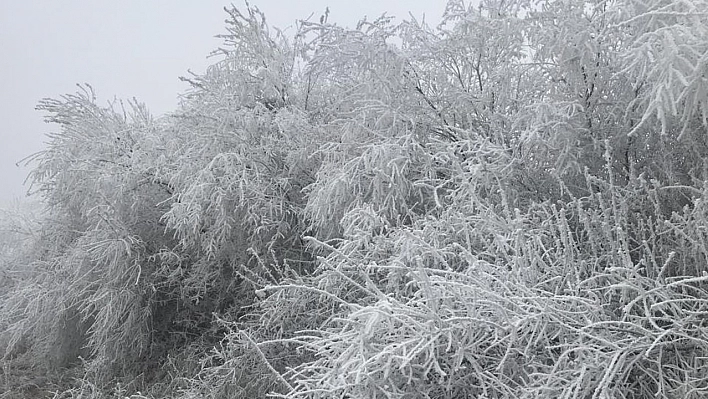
<point x="509" y="205"/>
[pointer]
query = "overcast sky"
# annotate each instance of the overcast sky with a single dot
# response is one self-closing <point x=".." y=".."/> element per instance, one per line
<point x="125" y="49"/>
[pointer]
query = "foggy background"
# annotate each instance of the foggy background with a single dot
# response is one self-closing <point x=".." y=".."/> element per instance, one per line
<point x="126" y="49"/>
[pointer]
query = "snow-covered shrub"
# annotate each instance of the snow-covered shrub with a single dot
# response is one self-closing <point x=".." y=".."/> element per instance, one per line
<point x="510" y="205"/>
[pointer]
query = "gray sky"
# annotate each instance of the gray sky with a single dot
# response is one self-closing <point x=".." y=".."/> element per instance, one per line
<point x="125" y="49"/>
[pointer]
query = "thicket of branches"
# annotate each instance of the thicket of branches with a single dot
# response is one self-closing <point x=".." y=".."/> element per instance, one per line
<point x="509" y="205"/>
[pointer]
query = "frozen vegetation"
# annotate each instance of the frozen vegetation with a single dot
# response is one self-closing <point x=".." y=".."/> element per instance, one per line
<point x="512" y="204"/>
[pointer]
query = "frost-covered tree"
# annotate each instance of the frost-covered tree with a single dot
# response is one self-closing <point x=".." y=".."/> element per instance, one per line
<point x="511" y="204"/>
